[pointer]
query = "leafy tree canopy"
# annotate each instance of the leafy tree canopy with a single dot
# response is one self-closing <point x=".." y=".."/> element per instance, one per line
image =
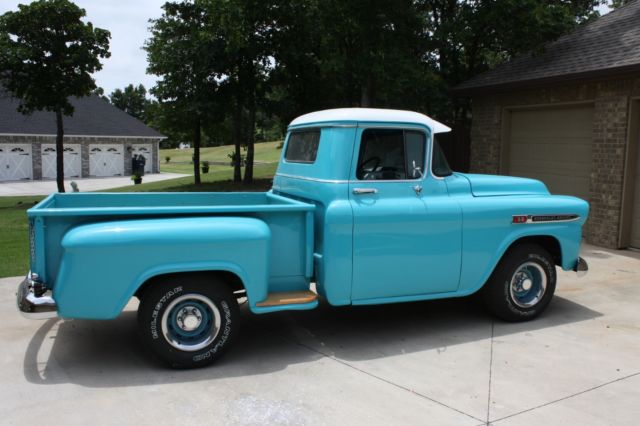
<point x="132" y="100"/>
<point x="47" y="54"/>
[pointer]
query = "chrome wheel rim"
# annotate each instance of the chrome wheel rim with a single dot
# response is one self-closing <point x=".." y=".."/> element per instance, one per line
<point x="528" y="285"/>
<point x="191" y="322"/>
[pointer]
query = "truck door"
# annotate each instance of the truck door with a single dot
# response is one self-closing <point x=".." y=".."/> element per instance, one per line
<point x="407" y="231"/>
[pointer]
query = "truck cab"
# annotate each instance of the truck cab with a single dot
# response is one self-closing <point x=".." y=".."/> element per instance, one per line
<point x="364" y="210"/>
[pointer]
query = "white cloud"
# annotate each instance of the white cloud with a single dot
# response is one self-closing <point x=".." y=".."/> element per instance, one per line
<point x="128" y="22"/>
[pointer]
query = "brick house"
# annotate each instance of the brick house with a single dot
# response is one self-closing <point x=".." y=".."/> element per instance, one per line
<point x="99" y="140"/>
<point x="570" y="116"/>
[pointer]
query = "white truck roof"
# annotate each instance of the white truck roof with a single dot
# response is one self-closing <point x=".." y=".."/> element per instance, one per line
<point x="370" y="114"/>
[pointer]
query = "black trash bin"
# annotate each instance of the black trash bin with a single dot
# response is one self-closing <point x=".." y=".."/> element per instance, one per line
<point x="137" y="164"/>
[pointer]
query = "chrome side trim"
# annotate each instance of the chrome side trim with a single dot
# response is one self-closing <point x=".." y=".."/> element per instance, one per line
<point x="32" y="306"/>
<point x="365" y="125"/>
<point x="353" y="182"/>
<point x="321" y="124"/>
<point x="356" y="182"/>
<point x="547" y="218"/>
<point x="310" y="178"/>
<point x="581" y="267"/>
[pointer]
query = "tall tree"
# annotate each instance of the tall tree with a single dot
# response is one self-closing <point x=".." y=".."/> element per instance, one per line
<point x="618" y="3"/>
<point x="333" y="53"/>
<point x="465" y="38"/>
<point x="181" y="52"/>
<point x="47" y="54"/>
<point x="242" y="28"/>
<point x="132" y="100"/>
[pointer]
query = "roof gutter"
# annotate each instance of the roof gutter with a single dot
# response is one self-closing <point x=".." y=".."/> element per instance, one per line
<point x="587" y="76"/>
<point x="85" y="136"/>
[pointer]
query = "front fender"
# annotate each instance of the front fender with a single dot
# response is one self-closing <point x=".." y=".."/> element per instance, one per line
<point x="489" y="232"/>
<point x="104" y="264"/>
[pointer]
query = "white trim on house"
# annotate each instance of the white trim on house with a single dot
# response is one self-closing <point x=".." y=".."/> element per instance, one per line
<point x="84" y="136"/>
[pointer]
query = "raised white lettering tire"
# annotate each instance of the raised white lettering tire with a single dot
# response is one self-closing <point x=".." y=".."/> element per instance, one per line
<point x="186" y="320"/>
<point x="522" y="284"/>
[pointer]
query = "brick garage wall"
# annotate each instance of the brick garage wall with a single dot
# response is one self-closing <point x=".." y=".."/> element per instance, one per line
<point x="611" y="101"/>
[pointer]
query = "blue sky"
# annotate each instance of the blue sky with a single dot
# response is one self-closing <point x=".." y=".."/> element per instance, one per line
<point x="128" y="21"/>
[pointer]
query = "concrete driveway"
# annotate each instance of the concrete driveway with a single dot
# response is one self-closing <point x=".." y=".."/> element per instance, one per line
<point x="440" y="363"/>
<point x="46" y="187"/>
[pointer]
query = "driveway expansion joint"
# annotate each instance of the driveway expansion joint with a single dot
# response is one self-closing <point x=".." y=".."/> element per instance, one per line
<point x="490" y="372"/>
<point x="382" y="379"/>
<point x="620" y="379"/>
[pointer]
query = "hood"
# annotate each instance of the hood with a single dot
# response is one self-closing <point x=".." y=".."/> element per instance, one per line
<point x="492" y="185"/>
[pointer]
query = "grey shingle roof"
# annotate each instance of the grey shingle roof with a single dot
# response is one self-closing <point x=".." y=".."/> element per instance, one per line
<point x="93" y="116"/>
<point x="608" y="45"/>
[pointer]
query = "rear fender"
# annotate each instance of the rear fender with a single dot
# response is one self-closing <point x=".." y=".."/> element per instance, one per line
<point x="104" y="264"/>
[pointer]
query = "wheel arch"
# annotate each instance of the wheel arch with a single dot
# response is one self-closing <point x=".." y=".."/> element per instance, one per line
<point x="552" y="244"/>
<point x="229" y="278"/>
<point x="547" y="242"/>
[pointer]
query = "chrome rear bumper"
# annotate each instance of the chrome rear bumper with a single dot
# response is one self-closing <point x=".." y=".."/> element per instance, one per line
<point x="581" y="267"/>
<point x="32" y="306"/>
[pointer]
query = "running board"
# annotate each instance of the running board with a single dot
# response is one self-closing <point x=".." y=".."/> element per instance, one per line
<point x="288" y="298"/>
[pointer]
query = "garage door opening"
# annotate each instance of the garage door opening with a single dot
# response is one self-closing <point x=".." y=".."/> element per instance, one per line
<point x="552" y="144"/>
<point x="16" y="162"/>
<point x="106" y="160"/>
<point x="71" y="160"/>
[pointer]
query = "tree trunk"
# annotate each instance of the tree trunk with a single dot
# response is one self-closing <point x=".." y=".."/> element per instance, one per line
<point x="59" y="151"/>
<point x="237" y="139"/>
<point x="196" y="151"/>
<point x="367" y="99"/>
<point x="251" y="139"/>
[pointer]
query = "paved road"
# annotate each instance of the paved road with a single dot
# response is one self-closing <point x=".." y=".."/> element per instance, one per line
<point x="46" y="187"/>
<point x="438" y="363"/>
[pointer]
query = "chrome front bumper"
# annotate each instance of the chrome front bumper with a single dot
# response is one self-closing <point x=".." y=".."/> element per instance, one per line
<point x="30" y="304"/>
<point x="581" y="267"/>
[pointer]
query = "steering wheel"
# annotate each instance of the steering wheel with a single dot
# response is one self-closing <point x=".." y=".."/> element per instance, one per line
<point x="361" y="168"/>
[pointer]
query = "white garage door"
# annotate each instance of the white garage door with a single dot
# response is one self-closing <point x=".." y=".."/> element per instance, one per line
<point x="15" y="162"/>
<point x="72" y="161"/>
<point x="553" y="145"/>
<point x="106" y="160"/>
<point x="635" y="224"/>
<point x="145" y="151"/>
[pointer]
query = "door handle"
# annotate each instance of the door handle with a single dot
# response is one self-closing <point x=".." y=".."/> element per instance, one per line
<point x="418" y="189"/>
<point x="360" y="191"/>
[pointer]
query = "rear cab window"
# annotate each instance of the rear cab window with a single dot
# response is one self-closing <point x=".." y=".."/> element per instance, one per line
<point x="302" y="146"/>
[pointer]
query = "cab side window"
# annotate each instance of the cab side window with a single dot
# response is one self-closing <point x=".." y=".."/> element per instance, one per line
<point x="391" y="154"/>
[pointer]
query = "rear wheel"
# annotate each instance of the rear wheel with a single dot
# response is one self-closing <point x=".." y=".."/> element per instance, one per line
<point x="522" y="284"/>
<point x="188" y="321"/>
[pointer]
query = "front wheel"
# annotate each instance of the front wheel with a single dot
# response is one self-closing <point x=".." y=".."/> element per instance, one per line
<point x="522" y="284"/>
<point x="188" y="321"/>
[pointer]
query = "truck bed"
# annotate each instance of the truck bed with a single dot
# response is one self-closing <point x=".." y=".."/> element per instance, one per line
<point x="290" y="222"/>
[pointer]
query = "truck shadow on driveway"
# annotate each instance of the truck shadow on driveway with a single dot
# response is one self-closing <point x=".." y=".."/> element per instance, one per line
<point x="108" y="353"/>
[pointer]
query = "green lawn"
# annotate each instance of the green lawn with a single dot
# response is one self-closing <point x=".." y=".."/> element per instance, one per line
<point x="180" y="162"/>
<point x="14" y="238"/>
<point x="14" y="231"/>
<point x="215" y="180"/>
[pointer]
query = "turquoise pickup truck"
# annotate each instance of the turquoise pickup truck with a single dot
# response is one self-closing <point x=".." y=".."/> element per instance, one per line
<point x="364" y="210"/>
